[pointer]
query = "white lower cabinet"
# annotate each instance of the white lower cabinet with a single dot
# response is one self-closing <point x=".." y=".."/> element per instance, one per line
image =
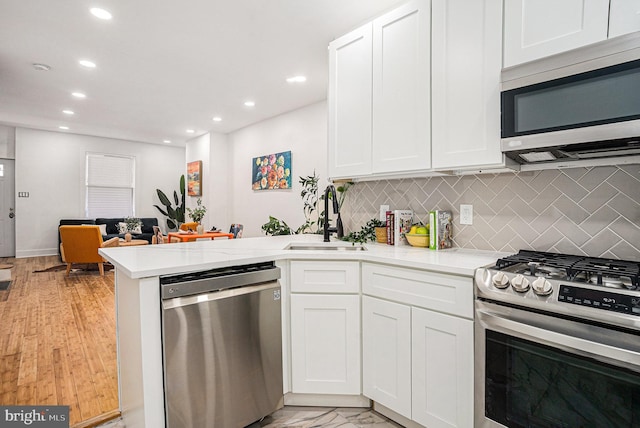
<point x="325" y="327"/>
<point x="417" y="359"/>
<point x="325" y="344"/>
<point x="386" y="354"/>
<point x="442" y="366"/>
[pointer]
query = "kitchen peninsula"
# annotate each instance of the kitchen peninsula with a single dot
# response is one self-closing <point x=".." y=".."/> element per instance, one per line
<point x="428" y="283"/>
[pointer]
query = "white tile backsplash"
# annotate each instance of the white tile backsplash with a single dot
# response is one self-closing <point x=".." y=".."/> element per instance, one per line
<point x="591" y="211"/>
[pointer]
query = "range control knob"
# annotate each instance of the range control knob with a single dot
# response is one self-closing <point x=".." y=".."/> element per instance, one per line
<point x="541" y="287"/>
<point x="500" y="280"/>
<point x="520" y="283"/>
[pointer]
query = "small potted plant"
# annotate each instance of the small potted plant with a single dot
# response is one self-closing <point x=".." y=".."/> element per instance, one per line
<point x="197" y="214"/>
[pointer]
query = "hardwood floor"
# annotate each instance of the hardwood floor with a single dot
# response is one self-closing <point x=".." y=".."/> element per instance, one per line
<point x="58" y="340"/>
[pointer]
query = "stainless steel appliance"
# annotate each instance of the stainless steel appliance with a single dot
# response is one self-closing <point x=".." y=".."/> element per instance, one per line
<point x="557" y="342"/>
<point x="222" y="346"/>
<point x="581" y="105"/>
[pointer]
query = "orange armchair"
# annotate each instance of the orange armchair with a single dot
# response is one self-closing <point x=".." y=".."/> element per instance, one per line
<point x="189" y="226"/>
<point x="80" y="245"/>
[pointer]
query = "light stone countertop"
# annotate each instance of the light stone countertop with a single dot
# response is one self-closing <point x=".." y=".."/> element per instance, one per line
<point x="154" y="260"/>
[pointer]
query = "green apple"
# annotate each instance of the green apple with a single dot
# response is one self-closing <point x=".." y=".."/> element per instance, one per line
<point x="422" y="230"/>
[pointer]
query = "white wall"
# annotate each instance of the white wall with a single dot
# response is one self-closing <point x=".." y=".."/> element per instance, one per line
<point x="304" y="133"/>
<point x="51" y="167"/>
<point x="213" y="150"/>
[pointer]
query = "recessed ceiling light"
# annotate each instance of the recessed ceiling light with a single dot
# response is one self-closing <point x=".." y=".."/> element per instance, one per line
<point x="79" y="95"/>
<point x="297" y="79"/>
<point x="69" y="112"/>
<point x="41" y="67"/>
<point x="100" y="13"/>
<point x="86" y="63"/>
<point x="217" y="119"/>
<point x="166" y="141"/>
<point x="63" y="127"/>
<point x="190" y="131"/>
<point x="250" y="103"/>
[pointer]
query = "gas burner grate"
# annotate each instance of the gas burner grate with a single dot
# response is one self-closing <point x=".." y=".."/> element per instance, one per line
<point x="577" y="268"/>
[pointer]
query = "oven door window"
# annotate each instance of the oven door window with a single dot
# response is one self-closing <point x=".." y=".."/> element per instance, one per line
<point x="532" y="385"/>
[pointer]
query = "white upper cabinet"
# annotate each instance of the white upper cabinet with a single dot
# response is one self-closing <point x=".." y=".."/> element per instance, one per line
<point x="379" y="95"/>
<point x="465" y="73"/>
<point x="401" y="108"/>
<point x="538" y="28"/>
<point x="350" y="104"/>
<point x="624" y="17"/>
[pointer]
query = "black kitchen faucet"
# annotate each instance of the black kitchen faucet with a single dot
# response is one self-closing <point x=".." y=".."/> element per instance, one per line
<point x="331" y="190"/>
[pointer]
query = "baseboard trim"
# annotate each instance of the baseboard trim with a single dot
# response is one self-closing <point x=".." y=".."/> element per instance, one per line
<point x="394" y="416"/>
<point x="98" y="420"/>
<point x="326" y="400"/>
<point x="22" y="254"/>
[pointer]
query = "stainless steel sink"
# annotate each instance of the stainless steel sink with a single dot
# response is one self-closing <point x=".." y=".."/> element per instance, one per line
<point x="322" y="247"/>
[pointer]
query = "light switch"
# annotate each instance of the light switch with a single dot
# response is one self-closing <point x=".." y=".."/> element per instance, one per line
<point x="466" y="214"/>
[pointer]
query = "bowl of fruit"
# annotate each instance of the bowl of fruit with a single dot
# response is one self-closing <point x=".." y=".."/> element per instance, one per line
<point x="418" y="236"/>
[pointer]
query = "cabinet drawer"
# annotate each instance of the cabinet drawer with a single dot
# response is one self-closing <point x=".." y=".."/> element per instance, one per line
<point x="451" y="294"/>
<point x="325" y="276"/>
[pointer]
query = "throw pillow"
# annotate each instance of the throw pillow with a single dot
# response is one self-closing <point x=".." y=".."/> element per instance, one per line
<point x="122" y="228"/>
<point x="103" y="228"/>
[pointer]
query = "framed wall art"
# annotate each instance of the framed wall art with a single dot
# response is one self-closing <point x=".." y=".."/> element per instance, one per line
<point x="270" y="172"/>
<point x="194" y="178"/>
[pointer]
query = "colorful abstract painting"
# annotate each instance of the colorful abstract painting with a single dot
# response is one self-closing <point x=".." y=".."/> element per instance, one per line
<point x="271" y="172"/>
<point x="194" y="178"/>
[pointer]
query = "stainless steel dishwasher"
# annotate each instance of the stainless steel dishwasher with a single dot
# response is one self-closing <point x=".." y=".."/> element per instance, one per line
<point x="222" y="346"/>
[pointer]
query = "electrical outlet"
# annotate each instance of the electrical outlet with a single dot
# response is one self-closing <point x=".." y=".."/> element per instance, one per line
<point x="466" y="214"/>
<point x="383" y="212"/>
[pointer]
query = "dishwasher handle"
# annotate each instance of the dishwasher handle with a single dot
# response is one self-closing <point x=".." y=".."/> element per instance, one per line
<point x="218" y="283"/>
<point x="179" y="302"/>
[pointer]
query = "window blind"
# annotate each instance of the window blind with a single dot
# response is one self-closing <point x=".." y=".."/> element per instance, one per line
<point x="110" y="186"/>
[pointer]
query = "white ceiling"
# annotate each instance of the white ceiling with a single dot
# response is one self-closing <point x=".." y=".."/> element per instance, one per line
<point x="164" y="66"/>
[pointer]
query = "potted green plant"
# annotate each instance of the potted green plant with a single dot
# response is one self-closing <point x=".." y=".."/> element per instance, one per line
<point x="197" y="214"/>
<point x="175" y="216"/>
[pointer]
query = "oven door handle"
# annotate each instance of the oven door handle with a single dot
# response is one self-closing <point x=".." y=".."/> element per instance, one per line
<point x="603" y="344"/>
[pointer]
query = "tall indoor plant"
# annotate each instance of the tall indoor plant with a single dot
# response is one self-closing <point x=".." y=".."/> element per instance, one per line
<point x="175" y="216"/>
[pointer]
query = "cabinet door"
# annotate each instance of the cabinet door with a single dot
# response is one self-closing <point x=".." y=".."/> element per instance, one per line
<point x="325" y="344"/>
<point x="624" y="17"/>
<point x="350" y="104"/>
<point x="465" y="73"/>
<point x="401" y="89"/>
<point x="386" y="354"/>
<point x="537" y="28"/>
<point x="442" y="362"/>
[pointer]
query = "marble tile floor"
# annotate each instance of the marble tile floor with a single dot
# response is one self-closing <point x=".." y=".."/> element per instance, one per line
<point x="311" y="417"/>
<point x="324" y="417"/>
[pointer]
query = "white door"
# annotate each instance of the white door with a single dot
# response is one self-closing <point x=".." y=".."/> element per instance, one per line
<point x="467" y="35"/>
<point x="349" y="104"/>
<point x="442" y="362"/>
<point x="624" y="17"/>
<point x="538" y="28"/>
<point x="386" y="354"/>
<point x="401" y="89"/>
<point x="325" y="344"/>
<point x="7" y="208"/>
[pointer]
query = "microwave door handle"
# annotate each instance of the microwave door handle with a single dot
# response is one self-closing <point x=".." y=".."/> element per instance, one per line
<point x="610" y="353"/>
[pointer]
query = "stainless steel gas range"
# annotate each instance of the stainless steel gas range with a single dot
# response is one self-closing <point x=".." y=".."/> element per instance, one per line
<point x="557" y="342"/>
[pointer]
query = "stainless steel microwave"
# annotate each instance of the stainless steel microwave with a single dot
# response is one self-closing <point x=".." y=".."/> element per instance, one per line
<point x="579" y="105"/>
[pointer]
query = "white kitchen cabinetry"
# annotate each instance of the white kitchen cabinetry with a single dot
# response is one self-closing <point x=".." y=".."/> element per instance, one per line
<point x="325" y="328"/>
<point x="401" y="89"/>
<point x="442" y="365"/>
<point x="379" y="95"/>
<point x="465" y="73"/>
<point x="538" y="28"/>
<point x="440" y="307"/>
<point x="350" y="104"/>
<point x="624" y="17"/>
<point x="386" y="353"/>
